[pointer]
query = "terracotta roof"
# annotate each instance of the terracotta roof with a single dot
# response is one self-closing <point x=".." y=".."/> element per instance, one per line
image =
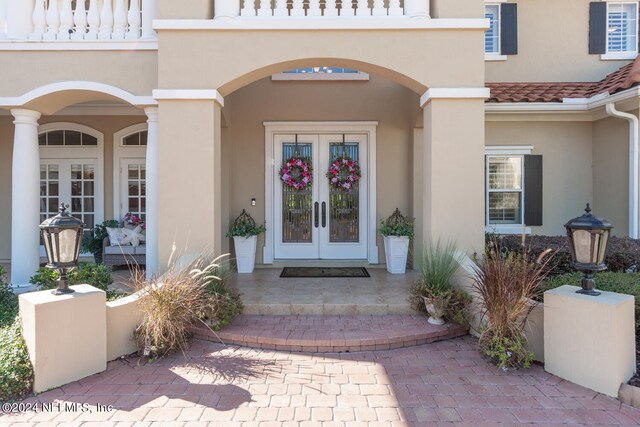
<point x="621" y="79"/>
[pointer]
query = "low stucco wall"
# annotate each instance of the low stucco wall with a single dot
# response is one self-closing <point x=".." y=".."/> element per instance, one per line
<point x="122" y="318"/>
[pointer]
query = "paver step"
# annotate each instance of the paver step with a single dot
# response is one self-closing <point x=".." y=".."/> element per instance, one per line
<point x="330" y="334"/>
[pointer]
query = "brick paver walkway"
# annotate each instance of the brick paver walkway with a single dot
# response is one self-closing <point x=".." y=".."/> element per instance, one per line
<point x="434" y="384"/>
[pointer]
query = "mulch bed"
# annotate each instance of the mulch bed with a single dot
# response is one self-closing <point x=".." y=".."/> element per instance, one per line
<point x="635" y="381"/>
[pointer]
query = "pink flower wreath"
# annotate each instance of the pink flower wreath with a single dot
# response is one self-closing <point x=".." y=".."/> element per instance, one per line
<point x="344" y="174"/>
<point x="296" y="172"/>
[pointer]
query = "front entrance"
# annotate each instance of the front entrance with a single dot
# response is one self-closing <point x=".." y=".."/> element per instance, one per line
<point x="320" y="221"/>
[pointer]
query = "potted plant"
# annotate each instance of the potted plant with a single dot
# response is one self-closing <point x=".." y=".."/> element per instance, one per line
<point x="92" y="240"/>
<point x="437" y="266"/>
<point x="396" y="230"/>
<point x="245" y="236"/>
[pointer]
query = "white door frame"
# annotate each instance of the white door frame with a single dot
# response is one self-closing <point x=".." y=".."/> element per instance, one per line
<point x="122" y="152"/>
<point x="271" y="128"/>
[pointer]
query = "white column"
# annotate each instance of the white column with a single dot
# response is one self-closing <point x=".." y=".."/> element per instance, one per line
<point x="19" y="18"/>
<point x="148" y="15"/>
<point x="152" y="191"/>
<point x="25" y="197"/>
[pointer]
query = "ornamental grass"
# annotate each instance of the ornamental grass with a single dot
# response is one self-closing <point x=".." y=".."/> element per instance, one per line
<point x="506" y="283"/>
<point x="171" y="304"/>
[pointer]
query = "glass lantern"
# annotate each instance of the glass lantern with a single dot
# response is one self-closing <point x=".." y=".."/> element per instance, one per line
<point x="62" y="236"/>
<point x="588" y="238"/>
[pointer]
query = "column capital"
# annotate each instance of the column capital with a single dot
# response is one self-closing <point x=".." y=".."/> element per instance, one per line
<point x="190" y="94"/>
<point x="454" y="93"/>
<point x="152" y="114"/>
<point x="27" y="117"/>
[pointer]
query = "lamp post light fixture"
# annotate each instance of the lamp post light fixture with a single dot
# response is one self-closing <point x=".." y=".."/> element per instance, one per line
<point x="62" y="235"/>
<point x="588" y="238"/>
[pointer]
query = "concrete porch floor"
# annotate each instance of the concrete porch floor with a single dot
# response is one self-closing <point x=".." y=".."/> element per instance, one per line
<point x="265" y="292"/>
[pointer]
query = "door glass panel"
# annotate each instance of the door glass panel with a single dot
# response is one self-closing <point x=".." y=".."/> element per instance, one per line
<point x="297" y="205"/>
<point x="344" y="208"/>
<point x="83" y="192"/>
<point x="49" y="201"/>
<point x="136" y="190"/>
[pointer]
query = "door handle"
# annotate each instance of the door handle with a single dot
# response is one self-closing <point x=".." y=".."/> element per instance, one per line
<point x="324" y="214"/>
<point x="316" y="215"/>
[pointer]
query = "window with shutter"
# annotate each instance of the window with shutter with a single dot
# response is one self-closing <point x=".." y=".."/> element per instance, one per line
<point x="613" y="29"/>
<point x="501" y="38"/>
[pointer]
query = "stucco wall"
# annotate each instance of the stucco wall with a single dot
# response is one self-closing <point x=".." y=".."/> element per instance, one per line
<point x="567" y="158"/>
<point x="553" y="45"/>
<point x="611" y="172"/>
<point x="108" y="125"/>
<point x="394" y="106"/>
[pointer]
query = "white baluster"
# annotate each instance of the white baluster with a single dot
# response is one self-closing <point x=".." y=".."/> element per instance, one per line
<point x="346" y="8"/>
<point x="363" y="8"/>
<point x="120" y="20"/>
<point x="378" y="8"/>
<point x="80" y="21"/>
<point x="394" y="8"/>
<point x="93" y="20"/>
<point x="66" y="20"/>
<point x="330" y="8"/>
<point x="3" y="20"/>
<point x="106" y="21"/>
<point x="265" y="8"/>
<point x="248" y="8"/>
<point x="314" y="8"/>
<point x="134" y="20"/>
<point x="281" y="8"/>
<point x="53" y="20"/>
<point x="297" y="8"/>
<point x="39" y="21"/>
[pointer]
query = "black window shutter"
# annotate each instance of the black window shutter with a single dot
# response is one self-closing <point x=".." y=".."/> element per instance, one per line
<point x="508" y="28"/>
<point x="533" y="190"/>
<point x="598" y="27"/>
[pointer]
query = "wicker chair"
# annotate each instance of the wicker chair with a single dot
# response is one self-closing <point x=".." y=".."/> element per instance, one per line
<point x="123" y="255"/>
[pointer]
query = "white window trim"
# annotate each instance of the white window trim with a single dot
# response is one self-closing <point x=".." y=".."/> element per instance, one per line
<point x="359" y="76"/>
<point x="496" y="56"/>
<point x="499" y="151"/>
<point x="78" y="152"/>
<point x="621" y="56"/>
<point x="121" y="152"/>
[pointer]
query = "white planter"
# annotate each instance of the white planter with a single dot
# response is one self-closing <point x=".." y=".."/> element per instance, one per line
<point x="396" y="250"/>
<point x="227" y="9"/>
<point x="245" y="253"/>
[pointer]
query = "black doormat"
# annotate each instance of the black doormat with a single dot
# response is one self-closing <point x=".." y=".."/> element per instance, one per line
<point x="324" y="272"/>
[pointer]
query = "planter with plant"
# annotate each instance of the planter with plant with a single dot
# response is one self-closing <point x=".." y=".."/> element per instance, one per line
<point x="433" y="293"/>
<point x="506" y="283"/>
<point x="397" y="231"/>
<point x="245" y="237"/>
<point x="92" y="239"/>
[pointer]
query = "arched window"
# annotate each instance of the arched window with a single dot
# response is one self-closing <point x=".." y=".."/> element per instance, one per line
<point x="129" y="175"/>
<point x="71" y="171"/>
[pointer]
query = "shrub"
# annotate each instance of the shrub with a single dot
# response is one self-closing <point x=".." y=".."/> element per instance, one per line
<point x="16" y="372"/>
<point x="622" y="252"/>
<point x="624" y="283"/>
<point x="437" y="266"/>
<point x="397" y="225"/>
<point x="96" y="275"/>
<point x="92" y="242"/>
<point x="225" y="303"/>
<point x="170" y="307"/>
<point x="505" y="283"/>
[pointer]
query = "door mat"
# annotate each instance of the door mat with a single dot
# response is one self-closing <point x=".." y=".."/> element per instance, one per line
<point x="324" y="272"/>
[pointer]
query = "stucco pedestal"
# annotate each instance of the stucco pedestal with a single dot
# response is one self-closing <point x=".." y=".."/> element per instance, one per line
<point x="65" y="335"/>
<point x="589" y="340"/>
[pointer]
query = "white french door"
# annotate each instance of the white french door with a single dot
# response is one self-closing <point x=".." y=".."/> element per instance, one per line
<point x="133" y="189"/>
<point x="321" y="222"/>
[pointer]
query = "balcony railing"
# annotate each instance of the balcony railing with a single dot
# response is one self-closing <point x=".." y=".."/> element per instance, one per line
<point x="320" y="8"/>
<point x="75" y="20"/>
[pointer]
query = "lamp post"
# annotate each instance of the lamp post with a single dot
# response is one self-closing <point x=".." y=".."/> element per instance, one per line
<point x="588" y="238"/>
<point x="62" y="235"/>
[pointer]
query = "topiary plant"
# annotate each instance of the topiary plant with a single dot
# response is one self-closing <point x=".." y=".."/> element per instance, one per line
<point x="245" y="226"/>
<point x="92" y="242"/>
<point x="397" y="225"/>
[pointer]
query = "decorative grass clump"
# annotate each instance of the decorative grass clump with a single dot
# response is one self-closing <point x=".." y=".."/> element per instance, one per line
<point x="16" y="372"/>
<point x="505" y="283"/>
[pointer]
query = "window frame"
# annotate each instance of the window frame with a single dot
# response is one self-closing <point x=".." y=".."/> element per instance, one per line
<point x="495" y="56"/>
<point x="629" y="54"/>
<point x="506" y="151"/>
